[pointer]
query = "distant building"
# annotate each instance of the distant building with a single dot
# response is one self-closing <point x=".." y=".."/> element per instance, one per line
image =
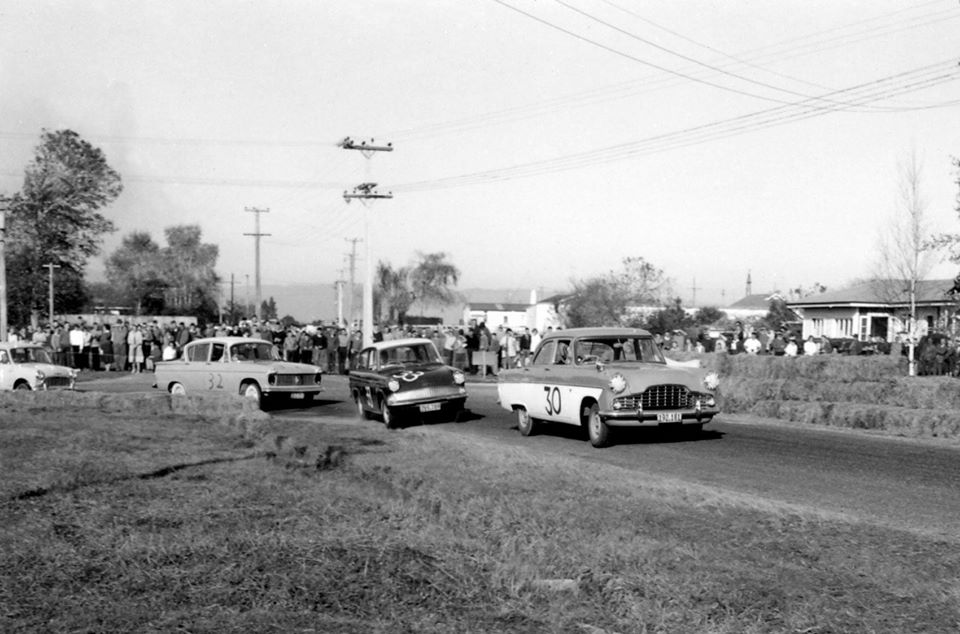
<point x="877" y="309"/>
<point x="536" y="314"/>
<point x="752" y="307"/>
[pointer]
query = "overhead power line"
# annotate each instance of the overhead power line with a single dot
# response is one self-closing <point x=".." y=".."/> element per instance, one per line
<point x="885" y="88"/>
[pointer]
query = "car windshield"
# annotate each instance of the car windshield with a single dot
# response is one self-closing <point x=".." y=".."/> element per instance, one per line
<point x="29" y="355"/>
<point x="412" y="353"/>
<point x="617" y="349"/>
<point x="254" y="351"/>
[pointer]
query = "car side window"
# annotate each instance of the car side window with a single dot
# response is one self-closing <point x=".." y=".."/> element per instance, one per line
<point x="563" y="352"/>
<point x="544" y="355"/>
<point x="216" y="352"/>
<point x="3" y="357"/>
<point x="198" y="352"/>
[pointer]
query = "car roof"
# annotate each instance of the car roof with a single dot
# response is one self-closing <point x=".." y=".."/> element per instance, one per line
<point x="229" y="340"/>
<point x="394" y="343"/>
<point x="577" y="333"/>
<point x="9" y="345"/>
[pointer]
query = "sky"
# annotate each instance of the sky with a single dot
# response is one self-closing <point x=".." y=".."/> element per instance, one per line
<point x="534" y="142"/>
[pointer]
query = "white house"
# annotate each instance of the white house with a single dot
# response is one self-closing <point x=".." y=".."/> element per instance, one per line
<point x="877" y="309"/>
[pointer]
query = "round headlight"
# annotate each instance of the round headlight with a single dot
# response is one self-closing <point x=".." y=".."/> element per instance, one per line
<point x="458" y="378"/>
<point x="618" y="383"/>
<point x="393" y="385"/>
<point x="711" y="381"/>
<point x="40" y="375"/>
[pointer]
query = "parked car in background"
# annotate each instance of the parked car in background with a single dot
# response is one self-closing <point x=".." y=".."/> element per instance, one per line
<point x="237" y="365"/>
<point x="406" y="377"/>
<point x="601" y="378"/>
<point x="28" y="366"/>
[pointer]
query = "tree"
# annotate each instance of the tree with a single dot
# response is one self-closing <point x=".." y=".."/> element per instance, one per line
<point x="778" y="314"/>
<point x="669" y="318"/>
<point x="605" y="300"/>
<point x="179" y="278"/>
<point x="134" y="270"/>
<point x="56" y="219"/>
<point x="392" y="295"/>
<point x="708" y="315"/>
<point x="905" y="247"/>
<point x="189" y="269"/>
<point x="268" y="308"/>
<point x="431" y="279"/>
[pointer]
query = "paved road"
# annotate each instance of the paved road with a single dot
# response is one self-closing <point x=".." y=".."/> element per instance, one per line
<point x="897" y="482"/>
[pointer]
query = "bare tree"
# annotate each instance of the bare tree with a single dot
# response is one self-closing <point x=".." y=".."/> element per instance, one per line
<point x="905" y="249"/>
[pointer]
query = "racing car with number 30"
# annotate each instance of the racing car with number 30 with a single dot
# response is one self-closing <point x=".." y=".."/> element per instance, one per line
<point x="603" y="378"/>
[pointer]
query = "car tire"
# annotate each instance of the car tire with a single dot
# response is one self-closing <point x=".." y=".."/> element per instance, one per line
<point x="362" y="412"/>
<point x="388" y="414"/>
<point x="597" y="430"/>
<point x="526" y="423"/>
<point x="23" y="385"/>
<point x="177" y="389"/>
<point x="251" y="390"/>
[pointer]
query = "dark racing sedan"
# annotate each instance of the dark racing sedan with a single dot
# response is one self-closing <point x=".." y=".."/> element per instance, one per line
<point x="406" y="377"/>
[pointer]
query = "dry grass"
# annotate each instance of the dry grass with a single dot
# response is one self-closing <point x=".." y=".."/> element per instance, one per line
<point x="349" y="528"/>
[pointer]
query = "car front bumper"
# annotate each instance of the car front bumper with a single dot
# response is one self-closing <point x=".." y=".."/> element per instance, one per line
<point x="422" y="396"/>
<point x="653" y="418"/>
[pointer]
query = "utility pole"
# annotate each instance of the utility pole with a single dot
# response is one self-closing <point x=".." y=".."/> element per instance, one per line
<point x="339" y="286"/>
<point x="233" y="303"/>
<point x="256" y="241"/>
<point x="50" y="267"/>
<point x="694" y="288"/>
<point x="352" y="256"/>
<point x="3" y="270"/>
<point x="366" y="193"/>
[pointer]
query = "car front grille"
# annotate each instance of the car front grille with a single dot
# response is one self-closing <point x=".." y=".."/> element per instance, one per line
<point x="58" y="382"/>
<point x="287" y="380"/>
<point x="658" y="397"/>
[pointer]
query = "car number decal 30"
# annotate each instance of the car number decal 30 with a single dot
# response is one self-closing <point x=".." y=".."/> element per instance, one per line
<point x="554" y="402"/>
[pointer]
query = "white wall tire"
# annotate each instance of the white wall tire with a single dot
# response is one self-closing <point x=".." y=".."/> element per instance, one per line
<point x="597" y="430"/>
<point x="252" y="391"/>
<point x="23" y="385"/>
<point x="177" y="389"/>
<point x="526" y="424"/>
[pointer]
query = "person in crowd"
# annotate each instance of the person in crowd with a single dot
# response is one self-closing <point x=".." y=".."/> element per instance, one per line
<point x="305" y="347"/>
<point x="791" y="349"/>
<point x="751" y="345"/>
<point x="509" y="348"/>
<point x="135" y="349"/>
<point x="291" y="345"/>
<point x="119" y="338"/>
<point x="343" y="348"/>
<point x="810" y="347"/>
<point x="106" y="347"/>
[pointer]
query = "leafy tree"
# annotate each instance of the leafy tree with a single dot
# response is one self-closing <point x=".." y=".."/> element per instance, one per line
<point x="708" y="315"/>
<point x="268" y="308"/>
<point x="392" y="295"/>
<point x="778" y="313"/>
<point x="188" y="268"/>
<point x="669" y="318"/>
<point x="431" y="279"/>
<point x="56" y="219"/>
<point x="134" y="269"/>
<point x="604" y="300"/>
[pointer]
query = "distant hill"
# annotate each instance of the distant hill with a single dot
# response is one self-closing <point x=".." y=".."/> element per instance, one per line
<point x="308" y="302"/>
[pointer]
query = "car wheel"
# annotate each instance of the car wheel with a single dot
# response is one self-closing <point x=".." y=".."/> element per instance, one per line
<point x="598" y="430"/>
<point x="252" y="391"/>
<point x="178" y="389"/>
<point x="22" y="385"/>
<point x="526" y="423"/>
<point x="388" y="415"/>
<point x="361" y="410"/>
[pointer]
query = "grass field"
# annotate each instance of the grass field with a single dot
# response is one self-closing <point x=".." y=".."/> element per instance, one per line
<point x="160" y="523"/>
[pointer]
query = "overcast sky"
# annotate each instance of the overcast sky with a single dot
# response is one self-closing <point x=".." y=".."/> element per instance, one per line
<point x="535" y="142"/>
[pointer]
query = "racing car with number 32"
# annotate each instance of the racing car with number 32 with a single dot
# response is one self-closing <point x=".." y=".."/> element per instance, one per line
<point x="603" y="378"/>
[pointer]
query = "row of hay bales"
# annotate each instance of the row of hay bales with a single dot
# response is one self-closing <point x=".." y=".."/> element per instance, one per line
<point x="868" y="392"/>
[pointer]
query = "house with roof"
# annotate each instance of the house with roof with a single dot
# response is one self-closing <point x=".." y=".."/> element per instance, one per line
<point x="751" y="307"/>
<point x="878" y="308"/>
<point x="535" y="314"/>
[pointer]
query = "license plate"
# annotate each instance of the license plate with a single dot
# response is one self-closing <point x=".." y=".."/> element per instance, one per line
<point x="297" y="395"/>
<point x="670" y="417"/>
<point x="430" y="407"/>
